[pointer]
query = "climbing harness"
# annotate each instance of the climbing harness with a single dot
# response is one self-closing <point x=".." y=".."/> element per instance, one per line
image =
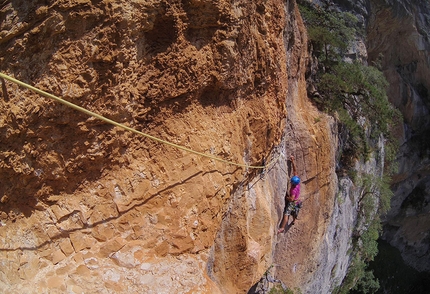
<point x="90" y="113"/>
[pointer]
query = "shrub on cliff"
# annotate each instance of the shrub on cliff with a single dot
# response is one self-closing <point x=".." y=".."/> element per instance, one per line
<point x="358" y="94"/>
<point x="329" y="32"/>
<point x="358" y="280"/>
<point x="354" y="91"/>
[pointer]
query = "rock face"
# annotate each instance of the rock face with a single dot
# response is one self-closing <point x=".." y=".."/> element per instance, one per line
<point x="398" y="36"/>
<point x="398" y="40"/>
<point x="240" y="249"/>
<point x="89" y="207"/>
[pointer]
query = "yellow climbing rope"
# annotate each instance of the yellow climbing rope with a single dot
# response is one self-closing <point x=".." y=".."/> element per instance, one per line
<point x="90" y="113"/>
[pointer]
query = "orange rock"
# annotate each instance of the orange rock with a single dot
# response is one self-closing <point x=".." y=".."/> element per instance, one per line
<point x="103" y="232"/>
<point x="55" y="282"/>
<point x="81" y="241"/>
<point x="114" y="286"/>
<point x="58" y="256"/>
<point x="162" y="249"/>
<point x="185" y="73"/>
<point x="111" y="247"/>
<point x="66" y="247"/>
<point x="83" y="270"/>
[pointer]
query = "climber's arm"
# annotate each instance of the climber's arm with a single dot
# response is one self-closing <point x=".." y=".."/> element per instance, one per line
<point x="294" y="165"/>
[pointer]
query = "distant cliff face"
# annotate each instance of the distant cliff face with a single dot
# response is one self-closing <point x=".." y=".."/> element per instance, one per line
<point x="398" y="39"/>
<point x="399" y="36"/>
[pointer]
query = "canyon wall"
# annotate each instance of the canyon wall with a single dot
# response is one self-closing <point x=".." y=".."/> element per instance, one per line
<point x="248" y="232"/>
<point x="88" y="207"/>
<point x="399" y="39"/>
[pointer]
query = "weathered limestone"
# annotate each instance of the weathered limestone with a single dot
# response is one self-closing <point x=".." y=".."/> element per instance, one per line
<point x="89" y="207"/>
<point x="404" y="52"/>
<point x="105" y="210"/>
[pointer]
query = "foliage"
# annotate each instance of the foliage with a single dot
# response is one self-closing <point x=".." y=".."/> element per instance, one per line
<point x="359" y="279"/>
<point x="329" y="32"/>
<point x="356" y="92"/>
<point x="361" y="91"/>
<point x="367" y="283"/>
<point x="392" y="145"/>
<point x="277" y="289"/>
<point x="369" y="246"/>
<point x="385" y="193"/>
<point x="379" y="188"/>
<point x="365" y="245"/>
<point x="355" y="272"/>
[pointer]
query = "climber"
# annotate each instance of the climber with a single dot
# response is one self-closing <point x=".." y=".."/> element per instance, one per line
<point x="292" y="202"/>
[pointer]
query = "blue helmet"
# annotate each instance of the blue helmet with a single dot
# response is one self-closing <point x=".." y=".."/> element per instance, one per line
<point x="295" y="180"/>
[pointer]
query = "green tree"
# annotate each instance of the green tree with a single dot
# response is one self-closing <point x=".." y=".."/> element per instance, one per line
<point x="329" y="32"/>
<point x="367" y="284"/>
<point x="357" y="93"/>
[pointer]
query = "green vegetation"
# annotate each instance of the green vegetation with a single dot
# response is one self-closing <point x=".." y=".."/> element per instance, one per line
<point x="396" y="276"/>
<point x="356" y="94"/>
<point x="385" y="193"/>
<point x="277" y="289"/>
<point x="359" y="279"/>
<point x="365" y="244"/>
<point x="379" y="188"/>
<point x="330" y="32"/>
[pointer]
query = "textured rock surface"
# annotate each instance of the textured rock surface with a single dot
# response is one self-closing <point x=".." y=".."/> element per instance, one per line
<point x="399" y="30"/>
<point x="311" y="137"/>
<point x="88" y="207"/>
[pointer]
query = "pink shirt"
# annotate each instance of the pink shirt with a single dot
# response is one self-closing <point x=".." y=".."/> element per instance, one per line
<point x="295" y="190"/>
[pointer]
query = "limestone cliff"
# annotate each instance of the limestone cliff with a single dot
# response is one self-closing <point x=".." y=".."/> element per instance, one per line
<point x="398" y="37"/>
<point x="89" y="207"/>
<point x="256" y="209"/>
<point x="397" y="40"/>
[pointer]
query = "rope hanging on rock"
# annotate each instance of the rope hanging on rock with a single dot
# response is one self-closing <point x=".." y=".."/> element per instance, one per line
<point x="109" y="121"/>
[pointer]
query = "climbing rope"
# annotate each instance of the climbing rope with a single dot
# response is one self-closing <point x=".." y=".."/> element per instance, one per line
<point x="90" y="113"/>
